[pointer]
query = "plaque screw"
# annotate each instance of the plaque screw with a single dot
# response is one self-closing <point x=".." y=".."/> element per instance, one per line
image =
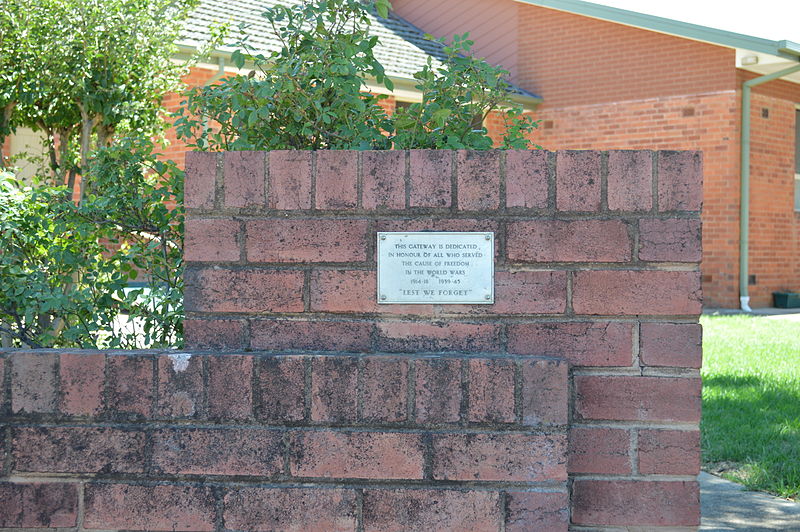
<point x="383" y="297"/>
<point x="487" y="296"/>
<point x="488" y="237"/>
<point x="383" y="237"/>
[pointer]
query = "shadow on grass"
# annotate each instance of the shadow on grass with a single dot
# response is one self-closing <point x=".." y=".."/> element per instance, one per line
<point x="754" y="423"/>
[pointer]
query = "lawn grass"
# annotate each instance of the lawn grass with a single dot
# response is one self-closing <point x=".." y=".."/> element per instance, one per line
<point x="751" y="401"/>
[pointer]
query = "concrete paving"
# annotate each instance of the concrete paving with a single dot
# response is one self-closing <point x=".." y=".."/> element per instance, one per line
<point x="726" y="505"/>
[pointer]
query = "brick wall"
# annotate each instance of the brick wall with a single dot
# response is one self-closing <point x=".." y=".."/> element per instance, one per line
<point x="573" y="400"/>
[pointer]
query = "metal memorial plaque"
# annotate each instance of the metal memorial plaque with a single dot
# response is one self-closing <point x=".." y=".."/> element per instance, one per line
<point x="436" y="268"/>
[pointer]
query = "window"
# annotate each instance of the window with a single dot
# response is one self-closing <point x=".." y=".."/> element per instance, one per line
<point x="797" y="160"/>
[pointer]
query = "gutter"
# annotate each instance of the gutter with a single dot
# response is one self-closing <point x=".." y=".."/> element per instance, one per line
<point x="744" y="204"/>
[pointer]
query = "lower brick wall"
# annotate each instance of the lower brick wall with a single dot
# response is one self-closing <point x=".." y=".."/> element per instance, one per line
<point x="168" y="441"/>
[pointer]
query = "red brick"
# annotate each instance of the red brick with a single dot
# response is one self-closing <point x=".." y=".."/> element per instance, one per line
<point x="291" y="509"/>
<point x="637" y="292"/>
<point x="578" y="181"/>
<point x="540" y="511"/>
<point x="544" y="392"/>
<point x="211" y="240"/>
<point x="290" y="179"/>
<point x="680" y="180"/>
<point x="663" y="399"/>
<point x="180" y="386"/>
<point x="367" y="455"/>
<point x="478" y="179"/>
<point x="671" y="240"/>
<point x="78" y="450"/>
<point x="251" y="291"/>
<point x="281" y="389"/>
<point x="671" y="344"/>
<point x="213" y="334"/>
<point x="384" y="390"/>
<point x="129" y="384"/>
<point x="438" y="390"/>
<point x="435" y="224"/>
<point x="244" y="178"/>
<point x="430" y="178"/>
<point x="334" y="385"/>
<point x="306" y="240"/>
<point x="409" y="337"/>
<point x="337" y="179"/>
<point x="669" y="452"/>
<point x="311" y="335"/>
<point x="500" y="457"/>
<point x="538" y="292"/>
<point x="343" y="291"/>
<point x="569" y="241"/>
<point x="401" y="510"/>
<point x="163" y="507"/>
<point x="526" y="179"/>
<point x="38" y="505"/>
<point x="384" y="179"/>
<point x="201" y="172"/>
<point x="34" y="383"/>
<point x="599" y="451"/>
<point x="230" y="392"/>
<point x="581" y="343"/>
<point x="82" y="377"/>
<point x="631" y="503"/>
<point x="491" y="391"/>
<point x="224" y="451"/>
<point x="630" y="180"/>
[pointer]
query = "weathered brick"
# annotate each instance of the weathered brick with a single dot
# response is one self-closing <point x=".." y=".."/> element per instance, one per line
<point x="384" y="390"/>
<point x="38" y="505"/>
<point x="82" y="378"/>
<point x="343" y="291"/>
<point x="491" y="391"/>
<point x="337" y="179"/>
<point x="600" y="451"/>
<point x="366" y="455"/>
<point x="430" y="178"/>
<point x="311" y="335"/>
<point x="291" y="509"/>
<point x="334" y="385"/>
<point x="384" y="179"/>
<point x="435" y="224"/>
<point x="631" y="503"/>
<point x="129" y="385"/>
<point x="658" y="399"/>
<point x="290" y="179"/>
<point x="637" y="292"/>
<point x="540" y="511"/>
<point x="162" y="507"/>
<point x="180" y="386"/>
<point x="230" y="390"/>
<point x="306" y="240"/>
<point x="478" y="178"/>
<point x="630" y="180"/>
<point x="244" y="178"/>
<point x="526" y="179"/>
<point x="213" y="334"/>
<point x="581" y="343"/>
<point x="409" y="337"/>
<point x="500" y="457"/>
<point x="538" y="292"/>
<point x="438" y="390"/>
<point x="211" y="240"/>
<point x="225" y="451"/>
<point x="78" y="450"/>
<point x="201" y="175"/>
<point x="281" y="389"/>
<point x="669" y="452"/>
<point x="671" y="344"/>
<point x="251" y="291"/>
<point x="34" y="382"/>
<point x="568" y="241"/>
<point x="680" y="180"/>
<point x="578" y="180"/>
<point x="671" y="240"/>
<point x="401" y="510"/>
<point x="544" y="392"/>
